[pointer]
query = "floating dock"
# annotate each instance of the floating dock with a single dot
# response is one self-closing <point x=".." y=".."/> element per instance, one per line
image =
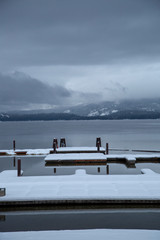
<point x="46" y="151"/>
<point x="75" y="158"/>
<point x="63" y="150"/>
<point x="98" y="158"/>
<point x="22" y="152"/>
<point x="80" y="188"/>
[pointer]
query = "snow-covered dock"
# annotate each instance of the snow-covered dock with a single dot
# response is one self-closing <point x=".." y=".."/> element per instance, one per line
<point x="75" y="158"/>
<point x="91" y="158"/>
<point x="91" y="234"/>
<point x="37" y="152"/>
<point x="80" y="188"/>
<point x="50" y="150"/>
<point x="79" y="150"/>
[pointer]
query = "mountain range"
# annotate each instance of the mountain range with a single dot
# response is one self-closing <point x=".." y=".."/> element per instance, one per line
<point x="126" y="109"/>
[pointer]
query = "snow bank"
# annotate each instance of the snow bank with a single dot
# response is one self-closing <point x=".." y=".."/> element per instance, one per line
<point x="94" y="234"/>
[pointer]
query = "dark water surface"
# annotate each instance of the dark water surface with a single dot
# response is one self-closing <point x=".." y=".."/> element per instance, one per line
<point x="80" y="219"/>
<point x="35" y="166"/>
<point x="131" y="134"/>
<point x="121" y="134"/>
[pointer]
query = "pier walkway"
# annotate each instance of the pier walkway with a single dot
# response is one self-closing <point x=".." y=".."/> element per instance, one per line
<point x="99" y="158"/>
<point x="80" y="188"/>
<point x="47" y="151"/>
<point x="75" y="158"/>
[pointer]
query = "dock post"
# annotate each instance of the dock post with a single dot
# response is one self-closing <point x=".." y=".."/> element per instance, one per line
<point x="54" y="147"/>
<point x="19" y="168"/>
<point x="14" y="145"/>
<point x="54" y="170"/>
<point x="98" y="141"/>
<point x="107" y="149"/>
<point x="107" y="169"/>
<point x="14" y="161"/>
<point x="99" y="169"/>
<point x="2" y="193"/>
<point x="55" y="140"/>
<point x="62" y="142"/>
<point x="98" y="147"/>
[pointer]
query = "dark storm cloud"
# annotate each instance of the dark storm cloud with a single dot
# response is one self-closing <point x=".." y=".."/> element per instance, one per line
<point x="69" y="32"/>
<point x="21" y="91"/>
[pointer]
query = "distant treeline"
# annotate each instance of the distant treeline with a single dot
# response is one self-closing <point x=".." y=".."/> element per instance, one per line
<point x="67" y="116"/>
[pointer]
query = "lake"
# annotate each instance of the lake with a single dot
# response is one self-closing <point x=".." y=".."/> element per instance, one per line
<point x="130" y="134"/>
<point x="120" y="134"/>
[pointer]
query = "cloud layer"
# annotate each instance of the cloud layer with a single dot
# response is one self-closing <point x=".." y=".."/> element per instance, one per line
<point x="20" y="91"/>
<point x="78" y="32"/>
<point x="86" y="50"/>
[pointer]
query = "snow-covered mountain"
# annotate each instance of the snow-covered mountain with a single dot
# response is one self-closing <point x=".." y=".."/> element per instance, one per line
<point x="131" y="109"/>
<point x="109" y="108"/>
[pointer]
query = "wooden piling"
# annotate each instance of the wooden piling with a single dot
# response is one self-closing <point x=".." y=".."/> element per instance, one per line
<point x="14" y="161"/>
<point x="107" y="149"/>
<point x="54" y="147"/>
<point x="107" y="169"/>
<point x="2" y="192"/>
<point x="62" y="142"/>
<point x="98" y="147"/>
<point x="19" y="168"/>
<point x="14" y="145"/>
<point x="55" y="140"/>
<point x="99" y="169"/>
<point x="98" y="141"/>
<point x="55" y="170"/>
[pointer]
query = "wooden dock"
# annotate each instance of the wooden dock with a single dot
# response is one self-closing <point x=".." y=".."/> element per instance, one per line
<point x="129" y="160"/>
<point x="66" y="150"/>
<point x="75" y="158"/>
<point x="46" y="151"/>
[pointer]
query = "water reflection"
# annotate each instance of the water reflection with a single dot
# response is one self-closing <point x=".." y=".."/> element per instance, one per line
<point x="35" y="166"/>
<point x="2" y="218"/>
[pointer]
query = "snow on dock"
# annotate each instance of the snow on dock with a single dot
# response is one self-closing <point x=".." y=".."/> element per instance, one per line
<point x="80" y="188"/>
<point x="50" y="150"/>
<point x="129" y="159"/>
<point x="75" y="158"/>
<point x="91" y="234"/>
<point x="25" y="152"/>
<point x="79" y="150"/>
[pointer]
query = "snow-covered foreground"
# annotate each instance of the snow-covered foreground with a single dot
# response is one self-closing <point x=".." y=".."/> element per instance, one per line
<point x="80" y="186"/>
<point x="95" y="234"/>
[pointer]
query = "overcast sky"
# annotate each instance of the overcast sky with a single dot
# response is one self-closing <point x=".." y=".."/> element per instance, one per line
<point x="62" y="52"/>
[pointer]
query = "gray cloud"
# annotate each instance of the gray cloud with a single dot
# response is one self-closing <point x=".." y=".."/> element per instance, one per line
<point x="43" y="32"/>
<point x="87" y="50"/>
<point x="21" y="91"/>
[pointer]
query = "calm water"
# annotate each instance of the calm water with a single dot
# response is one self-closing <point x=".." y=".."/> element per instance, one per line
<point x="121" y="134"/>
<point x="131" y="134"/>
<point x="80" y="219"/>
<point x="125" y="134"/>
